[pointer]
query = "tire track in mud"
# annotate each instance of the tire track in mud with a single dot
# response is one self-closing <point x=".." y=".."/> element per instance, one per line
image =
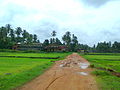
<point x="53" y="82"/>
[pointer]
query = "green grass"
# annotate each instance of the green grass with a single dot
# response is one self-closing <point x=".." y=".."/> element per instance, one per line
<point x="15" y="72"/>
<point x="61" y="55"/>
<point x="105" y="79"/>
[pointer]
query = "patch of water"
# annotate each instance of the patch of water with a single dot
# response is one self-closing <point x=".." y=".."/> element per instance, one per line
<point x="83" y="73"/>
<point x="61" y="65"/>
<point x="83" y="65"/>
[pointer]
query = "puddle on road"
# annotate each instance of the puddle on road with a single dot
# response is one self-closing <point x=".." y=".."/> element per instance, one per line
<point x="61" y="65"/>
<point x="83" y="73"/>
<point x="72" y="64"/>
<point x="84" y="65"/>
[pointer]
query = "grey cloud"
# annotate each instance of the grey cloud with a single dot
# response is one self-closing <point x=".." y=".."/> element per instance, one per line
<point x="89" y="25"/>
<point x="95" y="3"/>
<point x="45" y="28"/>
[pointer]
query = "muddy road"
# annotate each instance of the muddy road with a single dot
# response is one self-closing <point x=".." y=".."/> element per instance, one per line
<point x="72" y="73"/>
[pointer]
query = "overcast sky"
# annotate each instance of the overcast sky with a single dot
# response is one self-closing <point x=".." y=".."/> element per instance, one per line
<point x="91" y="21"/>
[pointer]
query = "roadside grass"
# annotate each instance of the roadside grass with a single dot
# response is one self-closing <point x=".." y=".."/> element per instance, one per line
<point x="61" y="55"/>
<point x="15" y="72"/>
<point x="106" y="80"/>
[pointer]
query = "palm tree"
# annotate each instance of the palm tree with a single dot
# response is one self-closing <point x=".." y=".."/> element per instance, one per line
<point x="67" y="38"/>
<point x="8" y="28"/>
<point x="18" y="32"/>
<point x="25" y="35"/>
<point x="12" y="35"/>
<point x="30" y="38"/>
<point x="34" y="38"/>
<point x="53" y="33"/>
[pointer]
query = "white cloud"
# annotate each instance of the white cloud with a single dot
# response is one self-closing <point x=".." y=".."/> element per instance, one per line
<point x="90" y="24"/>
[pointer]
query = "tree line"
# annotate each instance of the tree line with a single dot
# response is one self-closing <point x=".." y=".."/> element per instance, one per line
<point x="68" y="39"/>
<point x="10" y="36"/>
<point x="107" y="47"/>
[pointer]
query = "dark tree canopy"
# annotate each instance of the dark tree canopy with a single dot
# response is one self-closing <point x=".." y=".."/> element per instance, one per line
<point x="10" y="36"/>
<point x="53" y="33"/>
<point x="67" y="38"/>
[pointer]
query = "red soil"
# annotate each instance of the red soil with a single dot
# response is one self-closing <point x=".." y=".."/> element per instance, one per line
<point x="64" y="75"/>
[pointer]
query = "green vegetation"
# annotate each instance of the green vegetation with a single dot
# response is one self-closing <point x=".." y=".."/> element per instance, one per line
<point x="107" y="47"/>
<point x="15" y="72"/>
<point x="13" y="36"/>
<point x="103" y="62"/>
<point x="61" y="55"/>
<point x="10" y="36"/>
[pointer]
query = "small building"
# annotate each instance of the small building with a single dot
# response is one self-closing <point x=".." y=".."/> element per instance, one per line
<point x="34" y="46"/>
<point x="82" y="51"/>
<point x="56" y="48"/>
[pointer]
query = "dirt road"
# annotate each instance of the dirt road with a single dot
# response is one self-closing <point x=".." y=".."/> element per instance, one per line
<point x="73" y="73"/>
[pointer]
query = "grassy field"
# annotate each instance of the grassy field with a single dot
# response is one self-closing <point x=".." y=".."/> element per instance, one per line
<point x="15" y="72"/>
<point x="106" y="80"/>
<point x="33" y="54"/>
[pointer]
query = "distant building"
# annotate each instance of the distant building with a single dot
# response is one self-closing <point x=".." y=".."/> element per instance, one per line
<point x="82" y="51"/>
<point x="34" y="46"/>
<point x="56" y="48"/>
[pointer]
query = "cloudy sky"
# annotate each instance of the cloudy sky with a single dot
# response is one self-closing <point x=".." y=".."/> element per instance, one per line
<point x="91" y="21"/>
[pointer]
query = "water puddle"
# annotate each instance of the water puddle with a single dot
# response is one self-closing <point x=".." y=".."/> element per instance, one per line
<point x="61" y="65"/>
<point x="83" y="73"/>
<point x="84" y="65"/>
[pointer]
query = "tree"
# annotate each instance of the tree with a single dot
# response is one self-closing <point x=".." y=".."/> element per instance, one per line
<point x="58" y="42"/>
<point x="38" y="41"/>
<point x="4" y="33"/>
<point x="67" y="38"/>
<point x="30" y="39"/>
<point x="12" y="35"/>
<point x="53" y="33"/>
<point x="116" y="47"/>
<point x="74" y="40"/>
<point x="8" y="27"/>
<point x="51" y="41"/>
<point x="84" y="47"/>
<point x="4" y="39"/>
<point x="94" y="48"/>
<point x="9" y="36"/>
<point x="74" y="43"/>
<point x="46" y="43"/>
<point x="18" y="32"/>
<point x="25" y="36"/>
<point x="35" y="38"/>
<point x="103" y="47"/>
